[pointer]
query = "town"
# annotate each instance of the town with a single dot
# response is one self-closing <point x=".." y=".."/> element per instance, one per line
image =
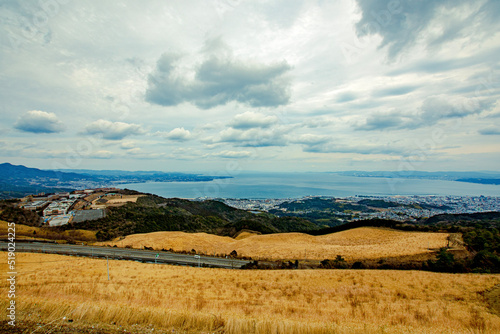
<point x="403" y="208"/>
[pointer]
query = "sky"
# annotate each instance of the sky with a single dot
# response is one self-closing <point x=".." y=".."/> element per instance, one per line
<point x="284" y="85"/>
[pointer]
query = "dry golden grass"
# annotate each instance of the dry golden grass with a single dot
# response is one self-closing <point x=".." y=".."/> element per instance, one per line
<point x="245" y="234"/>
<point x="115" y="200"/>
<point x="119" y="199"/>
<point x="26" y="232"/>
<point x="356" y="244"/>
<point x="50" y="287"/>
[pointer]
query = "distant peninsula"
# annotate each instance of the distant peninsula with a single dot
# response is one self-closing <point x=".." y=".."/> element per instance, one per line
<point x="481" y="181"/>
<point x="19" y="180"/>
<point x="470" y="177"/>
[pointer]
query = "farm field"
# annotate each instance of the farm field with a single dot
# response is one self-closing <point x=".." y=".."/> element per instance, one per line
<point x="54" y="292"/>
<point x="356" y="244"/>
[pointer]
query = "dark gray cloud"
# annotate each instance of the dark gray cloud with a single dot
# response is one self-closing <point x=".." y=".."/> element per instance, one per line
<point x="401" y="23"/>
<point x="310" y="139"/>
<point x="219" y="79"/>
<point x="381" y="121"/>
<point x="491" y="131"/>
<point x="356" y="149"/>
<point x="28" y="21"/>
<point x="232" y="154"/>
<point x="394" y="91"/>
<point x="113" y="130"/>
<point x="37" y="121"/>
<point x="487" y="57"/>
<point x="255" y="137"/>
<point x="346" y="97"/>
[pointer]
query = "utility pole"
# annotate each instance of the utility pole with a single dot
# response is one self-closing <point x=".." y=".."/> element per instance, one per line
<point x="107" y="264"/>
<point x="199" y="259"/>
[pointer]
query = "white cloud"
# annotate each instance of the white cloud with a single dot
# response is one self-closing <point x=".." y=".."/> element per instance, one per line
<point x="252" y="119"/>
<point x="310" y="139"/>
<point x="232" y="154"/>
<point x="255" y="137"/>
<point x="101" y="154"/>
<point x="127" y="145"/>
<point x="37" y="121"/>
<point x="113" y="130"/>
<point x="177" y="134"/>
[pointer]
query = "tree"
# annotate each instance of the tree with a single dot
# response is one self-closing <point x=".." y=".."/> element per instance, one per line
<point x="445" y="262"/>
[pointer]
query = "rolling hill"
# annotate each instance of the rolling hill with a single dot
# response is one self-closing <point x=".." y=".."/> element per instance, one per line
<point x="355" y="244"/>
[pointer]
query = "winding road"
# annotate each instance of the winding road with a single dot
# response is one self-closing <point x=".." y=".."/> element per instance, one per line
<point x="126" y="254"/>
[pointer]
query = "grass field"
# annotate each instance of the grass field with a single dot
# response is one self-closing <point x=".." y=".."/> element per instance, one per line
<point x="356" y="244"/>
<point x="52" y="290"/>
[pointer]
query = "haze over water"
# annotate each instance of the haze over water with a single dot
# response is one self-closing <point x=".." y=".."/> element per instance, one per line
<point x="296" y="185"/>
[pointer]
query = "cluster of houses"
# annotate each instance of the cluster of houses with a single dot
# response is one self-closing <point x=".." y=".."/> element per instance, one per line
<point x="59" y="208"/>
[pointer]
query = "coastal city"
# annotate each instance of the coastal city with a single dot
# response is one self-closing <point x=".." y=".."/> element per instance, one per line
<point x="404" y="207"/>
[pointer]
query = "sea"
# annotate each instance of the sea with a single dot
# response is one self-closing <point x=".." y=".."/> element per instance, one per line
<point x="251" y="185"/>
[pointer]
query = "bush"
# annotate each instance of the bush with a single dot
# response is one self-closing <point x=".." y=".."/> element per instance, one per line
<point x="485" y="261"/>
<point x="358" y="265"/>
<point x="338" y="263"/>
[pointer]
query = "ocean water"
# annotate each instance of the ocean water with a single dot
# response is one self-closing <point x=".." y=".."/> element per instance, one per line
<point x="297" y="185"/>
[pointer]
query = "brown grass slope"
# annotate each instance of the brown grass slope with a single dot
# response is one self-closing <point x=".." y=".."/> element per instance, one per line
<point x="24" y="232"/>
<point x="52" y="289"/>
<point x="356" y="244"/>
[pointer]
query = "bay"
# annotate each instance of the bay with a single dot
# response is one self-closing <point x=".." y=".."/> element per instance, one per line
<point x="297" y="185"/>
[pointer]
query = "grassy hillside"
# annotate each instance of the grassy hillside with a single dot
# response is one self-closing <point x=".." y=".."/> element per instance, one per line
<point x="153" y="213"/>
<point x="354" y="245"/>
<point x="60" y="292"/>
<point x="24" y="232"/>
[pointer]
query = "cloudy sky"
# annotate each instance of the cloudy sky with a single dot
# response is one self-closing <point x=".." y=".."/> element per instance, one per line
<point x="254" y="85"/>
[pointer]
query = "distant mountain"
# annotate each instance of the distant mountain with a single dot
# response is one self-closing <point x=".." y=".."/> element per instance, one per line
<point x="19" y="181"/>
<point x="123" y="176"/>
<point x="23" y="174"/>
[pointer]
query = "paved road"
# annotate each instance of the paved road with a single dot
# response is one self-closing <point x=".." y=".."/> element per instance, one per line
<point x="127" y="254"/>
